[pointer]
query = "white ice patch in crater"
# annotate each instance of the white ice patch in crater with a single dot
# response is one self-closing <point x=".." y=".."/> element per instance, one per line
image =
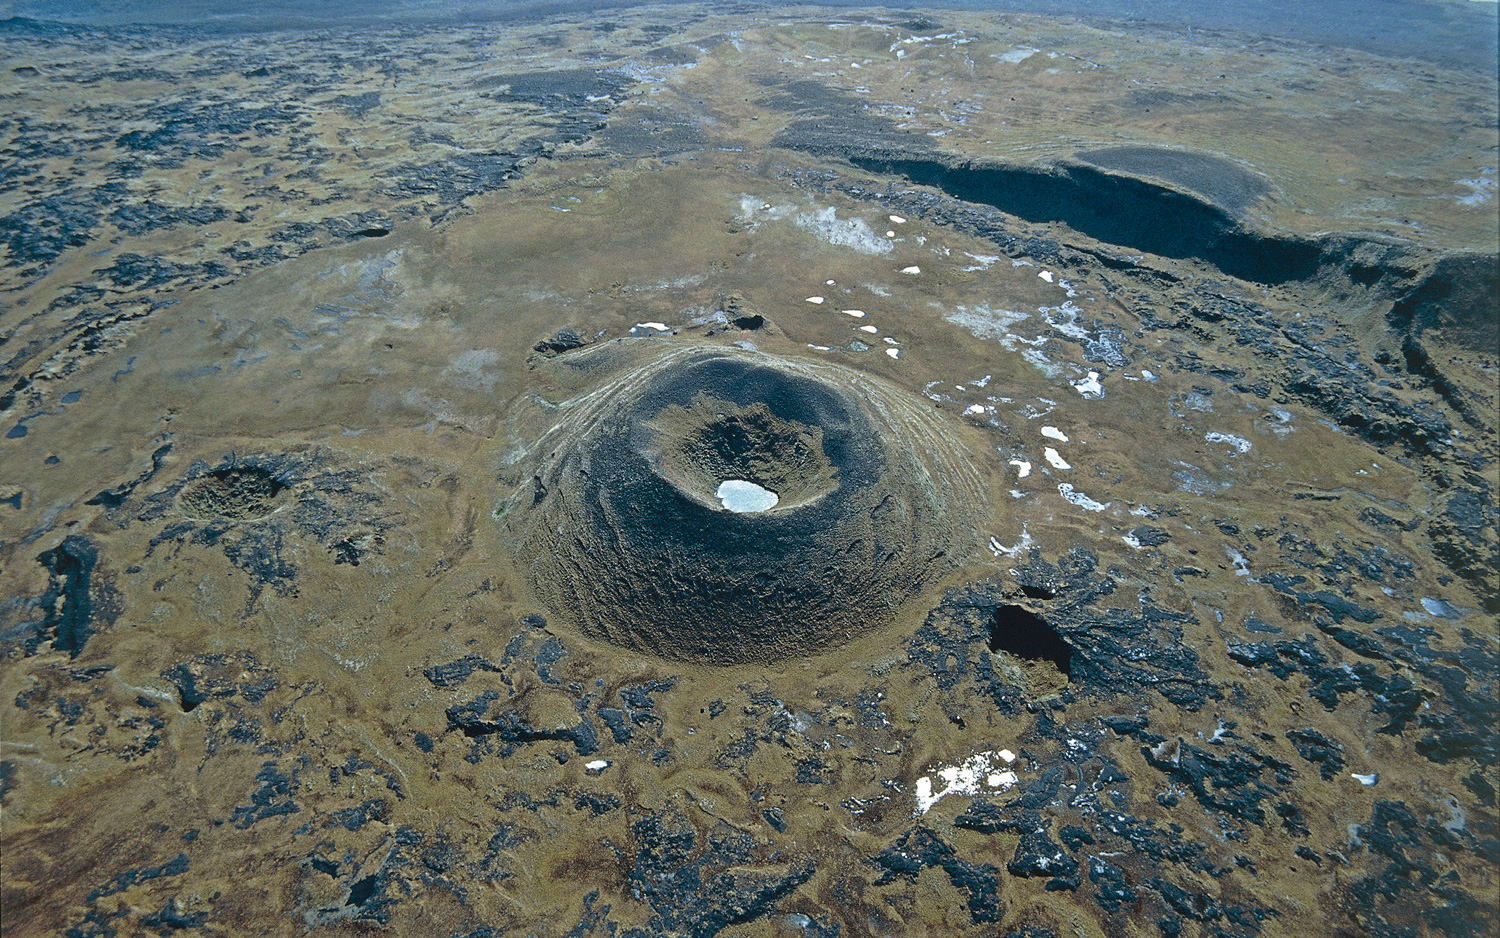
<point x="851" y="233"/>
<point x="743" y="497"/>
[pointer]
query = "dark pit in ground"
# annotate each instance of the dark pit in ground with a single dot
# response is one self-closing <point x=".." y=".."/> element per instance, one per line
<point x="1027" y="637"/>
<point x="621" y="533"/>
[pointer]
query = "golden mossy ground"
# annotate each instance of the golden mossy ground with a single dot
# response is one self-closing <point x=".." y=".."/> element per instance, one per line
<point x="257" y="696"/>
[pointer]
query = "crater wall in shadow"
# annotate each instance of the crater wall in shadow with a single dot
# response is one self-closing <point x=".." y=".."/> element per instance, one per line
<point x="1117" y="209"/>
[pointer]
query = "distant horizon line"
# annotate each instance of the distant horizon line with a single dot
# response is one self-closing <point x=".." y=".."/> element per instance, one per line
<point x="1438" y="31"/>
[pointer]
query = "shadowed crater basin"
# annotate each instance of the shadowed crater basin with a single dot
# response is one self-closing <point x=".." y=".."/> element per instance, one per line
<point x="725" y="507"/>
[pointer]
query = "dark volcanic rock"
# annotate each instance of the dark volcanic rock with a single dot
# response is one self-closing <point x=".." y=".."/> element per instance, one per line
<point x="218" y="677"/>
<point x="174" y="867"/>
<point x="73" y="606"/>
<point x="1315" y="747"/>
<point x="114" y="497"/>
<point x="39" y="232"/>
<point x="140" y="217"/>
<point x="456" y="672"/>
<point x="1120" y="210"/>
<point x="271" y="798"/>
<point x="700" y="890"/>
<point x="1108" y="649"/>
<point x="513" y="728"/>
<point x="920" y="849"/>
<point x="1459" y="297"/>
<point x="564" y="340"/>
<point x="243" y="508"/>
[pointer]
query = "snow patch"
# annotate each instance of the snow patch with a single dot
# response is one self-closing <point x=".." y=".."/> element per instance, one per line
<point x="1238" y="442"/>
<point x="1080" y="499"/>
<point x="851" y="233"/>
<point x="1016" y="56"/>
<point x="981" y="770"/>
<point x="1000" y="550"/>
<point x="985" y="322"/>
<point x="1090" y="387"/>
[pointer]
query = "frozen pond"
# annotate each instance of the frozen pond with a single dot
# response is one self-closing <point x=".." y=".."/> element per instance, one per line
<point x="744" y="497"/>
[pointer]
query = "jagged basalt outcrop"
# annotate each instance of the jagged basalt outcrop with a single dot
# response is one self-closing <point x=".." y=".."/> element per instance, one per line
<point x="620" y="529"/>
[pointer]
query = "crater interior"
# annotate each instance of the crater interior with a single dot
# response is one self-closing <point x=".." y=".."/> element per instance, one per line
<point x="712" y="442"/>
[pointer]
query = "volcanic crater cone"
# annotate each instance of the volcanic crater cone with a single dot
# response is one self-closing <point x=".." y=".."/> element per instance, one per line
<point x="635" y="526"/>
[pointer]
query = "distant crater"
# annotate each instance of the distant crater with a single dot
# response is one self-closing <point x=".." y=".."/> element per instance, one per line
<point x="233" y="493"/>
<point x="624" y="526"/>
